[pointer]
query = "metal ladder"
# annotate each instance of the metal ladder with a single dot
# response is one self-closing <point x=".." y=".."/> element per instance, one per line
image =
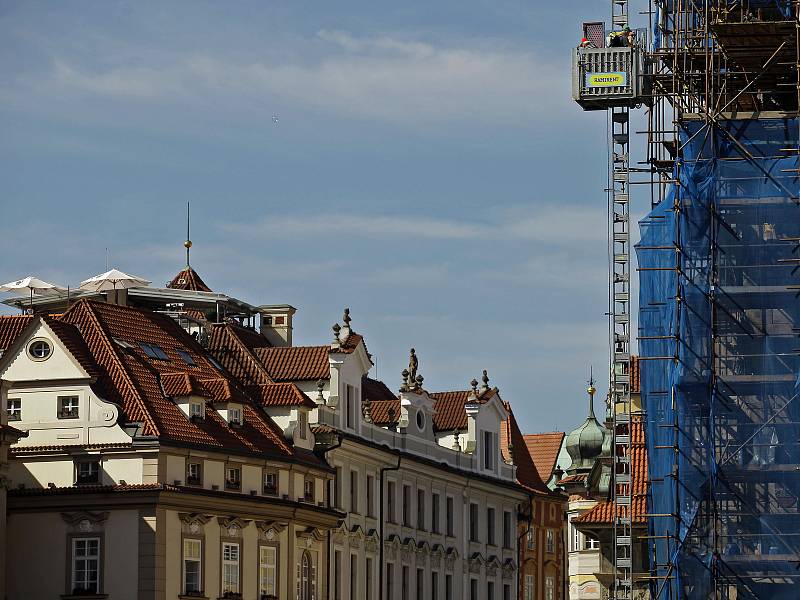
<point x="620" y="329"/>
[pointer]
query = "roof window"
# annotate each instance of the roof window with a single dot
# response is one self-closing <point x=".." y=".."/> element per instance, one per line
<point x="123" y="344"/>
<point x="153" y="351"/>
<point x="215" y="363"/>
<point x="186" y="357"/>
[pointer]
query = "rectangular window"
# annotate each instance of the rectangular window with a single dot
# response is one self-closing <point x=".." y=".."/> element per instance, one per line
<point x="337" y="501"/>
<point x="591" y="543"/>
<point x="531" y="538"/>
<point x="473" y="589"/>
<point x="528" y="587"/>
<point x="449" y="516"/>
<point x="575" y="538"/>
<point x="507" y="536"/>
<point x="407" y="505"/>
<point x="404" y="584"/>
<point x="490" y="526"/>
<point x="354" y="492"/>
<point x="435" y="513"/>
<point x="353" y="577"/>
<point x="506" y="592"/>
<point x="87" y="471"/>
<point x="196" y="410"/>
<point x="490" y="590"/>
<point x="194" y="473"/>
<point x="370" y="499"/>
<point x="192" y="565"/>
<point x="233" y="478"/>
<point x="235" y="416"/>
<point x="230" y="568"/>
<point x="420" y="583"/>
<point x="67" y="407"/>
<point x="549" y="588"/>
<point x="434" y="585"/>
<point x="473" y="522"/>
<point x="389" y="581"/>
<point x="302" y="423"/>
<point x="348" y="406"/>
<point x="390" y="502"/>
<point x="551" y="541"/>
<point x="185" y="357"/>
<point x="153" y="351"/>
<point x="308" y="490"/>
<point x="337" y="575"/>
<point x="85" y="566"/>
<point x="448" y="587"/>
<point x="268" y="570"/>
<point x="271" y="483"/>
<point x="488" y="450"/>
<point x="420" y="509"/>
<point x="14" y="409"/>
<point x="368" y="579"/>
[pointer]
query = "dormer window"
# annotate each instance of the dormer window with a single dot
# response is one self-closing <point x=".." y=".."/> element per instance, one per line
<point x="420" y="420"/>
<point x="302" y="423"/>
<point x="68" y="407"/>
<point x="87" y="471"/>
<point x="235" y="416"/>
<point x="196" y="410"/>
<point x="488" y="450"/>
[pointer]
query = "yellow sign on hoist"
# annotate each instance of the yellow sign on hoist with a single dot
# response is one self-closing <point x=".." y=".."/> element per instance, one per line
<point x="612" y="79"/>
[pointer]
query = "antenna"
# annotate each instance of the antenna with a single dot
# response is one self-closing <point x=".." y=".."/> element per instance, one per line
<point x="106" y="258"/>
<point x="188" y="243"/>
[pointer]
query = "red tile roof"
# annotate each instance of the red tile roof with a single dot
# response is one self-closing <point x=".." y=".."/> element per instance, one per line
<point x="527" y="475"/>
<point x="544" y="449"/>
<point x="295" y="363"/>
<point x="233" y="347"/>
<point x="603" y="513"/>
<point x="385" y="412"/>
<point x="188" y="279"/>
<point x="450" y="411"/>
<point x="573" y="478"/>
<point x="636" y="387"/>
<point x="134" y="380"/>
<point x="11" y="327"/>
<point x="374" y="389"/>
<point x="280" y="394"/>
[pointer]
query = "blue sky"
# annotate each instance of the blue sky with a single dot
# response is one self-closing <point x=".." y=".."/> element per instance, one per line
<point x="427" y="169"/>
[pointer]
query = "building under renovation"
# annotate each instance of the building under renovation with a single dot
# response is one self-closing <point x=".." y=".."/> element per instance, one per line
<point x="719" y="280"/>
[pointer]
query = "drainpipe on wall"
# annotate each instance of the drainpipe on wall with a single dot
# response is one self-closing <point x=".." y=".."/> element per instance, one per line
<point x="380" y="569"/>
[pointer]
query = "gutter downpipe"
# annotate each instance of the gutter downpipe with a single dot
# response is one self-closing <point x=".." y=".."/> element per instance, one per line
<point x="333" y="447"/>
<point x="380" y="568"/>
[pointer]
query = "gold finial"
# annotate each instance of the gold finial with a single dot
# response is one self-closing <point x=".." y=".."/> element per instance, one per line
<point x="188" y="243"/>
<point x="591" y="389"/>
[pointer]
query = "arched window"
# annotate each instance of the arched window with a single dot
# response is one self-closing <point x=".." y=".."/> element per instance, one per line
<point x="306" y="577"/>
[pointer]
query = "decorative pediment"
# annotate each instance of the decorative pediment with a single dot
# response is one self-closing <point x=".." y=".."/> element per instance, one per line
<point x="269" y="530"/>
<point x="371" y="541"/>
<point x="392" y="545"/>
<point x="232" y="526"/>
<point x="192" y="523"/>
<point x="310" y="535"/>
<point x="408" y="549"/>
<point x="475" y="563"/>
<point x="436" y="555"/>
<point x="509" y="568"/>
<point x="84" y="521"/>
<point x="340" y="535"/>
<point x="492" y="566"/>
<point x="450" y="557"/>
<point x="356" y="536"/>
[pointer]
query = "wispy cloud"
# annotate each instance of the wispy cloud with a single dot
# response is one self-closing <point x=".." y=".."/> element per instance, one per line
<point x="383" y="78"/>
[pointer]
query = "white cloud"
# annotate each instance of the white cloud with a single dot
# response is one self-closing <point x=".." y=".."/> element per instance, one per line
<point x="383" y="78"/>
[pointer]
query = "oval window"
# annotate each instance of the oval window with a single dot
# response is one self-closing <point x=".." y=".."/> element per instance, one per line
<point x="39" y="350"/>
<point x="420" y="420"/>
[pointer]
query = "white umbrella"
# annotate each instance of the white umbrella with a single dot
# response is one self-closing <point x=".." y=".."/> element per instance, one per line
<point x="34" y="285"/>
<point x="112" y="280"/>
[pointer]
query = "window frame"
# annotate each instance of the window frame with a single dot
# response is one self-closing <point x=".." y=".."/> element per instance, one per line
<point x="421" y="509"/>
<point x="406" y="505"/>
<point x="529" y="591"/>
<point x="199" y="413"/>
<point x="268" y="490"/>
<point x="368" y="577"/>
<point x="185" y="357"/>
<point x="195" y="481"/>
<point x="450" y="517"/>
<point x="508" y="526"/>
<point x="391" y="501"/>
<point x="275" y="567"/>
<point x="302" y="424"/>
<point x="200" y="560"/>
<point x="235" y="416"/>
<point x="491" y="516"/>
<point x="370" y="495"/>
<point x="222" y="563"/>
<point x="68" y="414"/>
<point x="230" y="484"/>
<point x="14" y="409"/>
<point x="474" y="523"/>
<point x="354" y="577"/>
<point x="88" y="461"/>
<point x="354" y="491"/>
<point x="488" y="451"/>
<point x="70" y="575"/>
<point x="531" y="538"/>
<point x="549" y="587"/>
<point x="550" y="542"/>
<point x="309" y="491"/>
<point x="436" y="525"/>
<point x="35" y="342"/>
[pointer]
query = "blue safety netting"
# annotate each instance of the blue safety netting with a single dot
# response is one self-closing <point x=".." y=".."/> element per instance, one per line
<point x="720" y="377"/>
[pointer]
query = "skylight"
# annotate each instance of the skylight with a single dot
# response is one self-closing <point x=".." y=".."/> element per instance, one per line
<point x="187" y="358"/>
<point x="215" y="363"/>
<point x="153" y="351"/>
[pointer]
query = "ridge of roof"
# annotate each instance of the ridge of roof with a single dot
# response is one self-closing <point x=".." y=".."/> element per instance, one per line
<point x="544" y="449"/>
<point x="233" y="333"/>
<point x="527" y="473"/>
<point x="188" y="279"/>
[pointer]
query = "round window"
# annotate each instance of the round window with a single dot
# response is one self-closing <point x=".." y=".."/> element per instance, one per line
<point x="420" y="420"/>
<point x="39" y="350"/>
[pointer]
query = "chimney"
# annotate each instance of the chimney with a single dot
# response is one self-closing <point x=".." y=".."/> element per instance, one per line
<point x="276" y="323"/>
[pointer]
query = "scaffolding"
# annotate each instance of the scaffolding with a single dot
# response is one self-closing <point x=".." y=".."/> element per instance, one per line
<point x="719" y="314"/>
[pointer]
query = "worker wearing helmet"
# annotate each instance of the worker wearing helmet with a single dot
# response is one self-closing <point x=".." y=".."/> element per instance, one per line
<point x="620" y="39"/>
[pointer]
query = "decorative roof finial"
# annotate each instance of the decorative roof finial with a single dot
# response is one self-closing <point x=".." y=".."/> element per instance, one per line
<point x="413" y="363"/>
<point x="366" y="410"/>
<point x="392" y="424"/>
<point x="188" y="243"/>
<point x="320" y="387"/>
<point x="474" y="385"/>
<point x="591" y="389"/>
<point x="346" y="317"/>
<point x="485" y="380"/>
<point x="419" y="381"/>
<point x="336" y="341"/>
<point x="404" y="387"/>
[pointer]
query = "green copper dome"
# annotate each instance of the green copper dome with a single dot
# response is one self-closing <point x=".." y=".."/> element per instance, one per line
<point x="585" y="443"/>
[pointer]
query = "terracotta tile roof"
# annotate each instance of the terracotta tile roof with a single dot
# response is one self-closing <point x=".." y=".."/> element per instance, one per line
<point x="68" y="447"/>
<point x="11" y="327"/>
<point x="188" y="279"/>
<point x="88" y="489"/>
<point x="295" y="363"/>
<point x="544" y="449"/>
<point x="527" y="475"/>
<point x="280" y="394"/>
<point x="450" y="412"/>
<point x="374" y="389"/>
<point x="385" y="412"/>
<point x="134" y="379"/>
<point x="636" y="387"/>
<point x="603" y="513"/>
<point x="573" y="478"/>
<point x="233" y="347"/>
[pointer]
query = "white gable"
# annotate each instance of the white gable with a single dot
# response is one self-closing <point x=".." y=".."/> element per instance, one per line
<point x="60" y="364"/>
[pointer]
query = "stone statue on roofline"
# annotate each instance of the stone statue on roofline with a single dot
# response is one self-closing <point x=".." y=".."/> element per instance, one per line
<point x="413" y="364"/>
